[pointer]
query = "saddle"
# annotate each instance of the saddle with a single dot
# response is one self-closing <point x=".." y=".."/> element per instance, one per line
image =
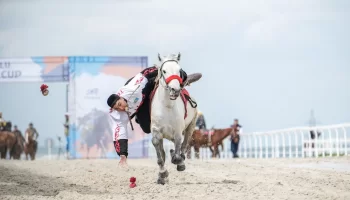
<point x="208" y="132"/>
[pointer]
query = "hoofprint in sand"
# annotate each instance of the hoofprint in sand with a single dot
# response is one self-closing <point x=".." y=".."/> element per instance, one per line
<point x="215" y="179"/>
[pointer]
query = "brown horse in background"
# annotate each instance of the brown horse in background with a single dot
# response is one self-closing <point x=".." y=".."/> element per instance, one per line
<point x="30" y="148"/>
<point x="202" y="140"/>
<point x="7" y="142"/>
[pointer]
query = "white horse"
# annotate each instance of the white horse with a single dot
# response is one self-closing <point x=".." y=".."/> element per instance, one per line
<point x="167" y="115"/>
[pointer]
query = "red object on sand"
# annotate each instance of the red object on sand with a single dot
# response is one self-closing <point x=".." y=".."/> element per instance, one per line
<point x="132" y="182"/>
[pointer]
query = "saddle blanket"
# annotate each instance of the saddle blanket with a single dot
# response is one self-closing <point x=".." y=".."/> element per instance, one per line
<point x="209" y="132"/>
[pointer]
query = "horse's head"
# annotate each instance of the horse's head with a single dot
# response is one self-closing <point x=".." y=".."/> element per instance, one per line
<point x="169" y="74"/>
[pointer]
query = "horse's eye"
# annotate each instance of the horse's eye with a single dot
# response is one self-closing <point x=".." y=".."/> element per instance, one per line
<point x="164" y="71"/>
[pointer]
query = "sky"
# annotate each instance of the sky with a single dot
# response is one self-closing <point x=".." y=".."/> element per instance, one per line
<point x="267" y="63"/>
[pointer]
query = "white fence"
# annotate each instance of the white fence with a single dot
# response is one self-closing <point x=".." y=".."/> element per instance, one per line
<point x="332" y="140"/>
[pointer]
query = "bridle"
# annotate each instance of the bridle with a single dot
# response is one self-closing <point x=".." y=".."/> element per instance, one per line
<point x="170" y="78"/>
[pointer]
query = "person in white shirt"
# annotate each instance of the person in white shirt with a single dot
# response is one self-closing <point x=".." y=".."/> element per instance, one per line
<point x="133" y="100"/>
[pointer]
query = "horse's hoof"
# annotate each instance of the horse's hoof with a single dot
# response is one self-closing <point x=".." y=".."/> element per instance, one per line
<point x="181" y="168"/>
<point x="161" y="181"/>
<point x="163" y="175"/>
<point x="183" y="157"/>
<point x="176" y="159"/>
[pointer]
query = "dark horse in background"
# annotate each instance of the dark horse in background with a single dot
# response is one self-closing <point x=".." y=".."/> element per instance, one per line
<point x="18" y="148"/>
<point x="94" y="130"/>
<point x="7" y="140"/>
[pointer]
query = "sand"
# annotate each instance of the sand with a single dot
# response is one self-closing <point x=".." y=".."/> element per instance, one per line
<point x="323" y="178"/>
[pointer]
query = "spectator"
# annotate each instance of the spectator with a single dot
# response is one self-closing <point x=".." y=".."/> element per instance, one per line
<point x="59" y="147"/>
<point x="235" y="137"/>
<point x="66" y="133"/>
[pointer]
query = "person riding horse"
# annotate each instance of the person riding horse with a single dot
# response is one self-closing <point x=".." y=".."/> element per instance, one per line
<point x="133" y="100"/>
<point x="18" y="133"/>
<point x="2" y="123"/>
<point x="31" y="134"/>
<point x="200" y="123"/>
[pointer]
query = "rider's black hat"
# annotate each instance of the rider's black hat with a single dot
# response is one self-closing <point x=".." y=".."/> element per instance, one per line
<point x="112" y="99"/>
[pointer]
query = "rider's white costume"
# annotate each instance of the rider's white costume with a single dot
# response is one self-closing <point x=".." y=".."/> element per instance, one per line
<point x="132" y="92"/>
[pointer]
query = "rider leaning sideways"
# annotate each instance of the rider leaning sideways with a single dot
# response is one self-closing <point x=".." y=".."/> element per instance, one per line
<point x="133" y="100"/>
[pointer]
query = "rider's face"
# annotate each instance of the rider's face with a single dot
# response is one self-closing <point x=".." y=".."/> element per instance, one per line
<point x="120" y="105"/>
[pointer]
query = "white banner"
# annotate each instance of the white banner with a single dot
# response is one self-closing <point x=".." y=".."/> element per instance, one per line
<point x="36" y="69"/>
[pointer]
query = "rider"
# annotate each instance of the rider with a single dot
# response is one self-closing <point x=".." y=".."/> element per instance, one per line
<point x="133" y="99"/>
<point x="2" y="122"/>
<point x="66" y="133"/>
<point x="18" y="133"/>
<point x="200" y="123"/>
<point x="30" y="132"/>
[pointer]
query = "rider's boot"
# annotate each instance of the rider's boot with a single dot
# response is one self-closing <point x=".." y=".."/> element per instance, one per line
<point x="193" y="78"/>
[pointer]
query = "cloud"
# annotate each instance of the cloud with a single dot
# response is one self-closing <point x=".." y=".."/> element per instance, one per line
<point x="105" y="27"/>
<point x="294" y="23"/>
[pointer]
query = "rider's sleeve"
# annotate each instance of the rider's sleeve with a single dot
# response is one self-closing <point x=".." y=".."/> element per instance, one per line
<point x="120" y="134"/>
<point x="134" y="87"/>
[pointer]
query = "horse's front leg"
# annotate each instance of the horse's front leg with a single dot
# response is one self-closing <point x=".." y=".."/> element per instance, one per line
<point x="176" y="157"/>
<point x="157" y="141"/>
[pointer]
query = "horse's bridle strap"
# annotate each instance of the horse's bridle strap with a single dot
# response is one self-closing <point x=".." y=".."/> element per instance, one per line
<point x="173" y="77"/>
